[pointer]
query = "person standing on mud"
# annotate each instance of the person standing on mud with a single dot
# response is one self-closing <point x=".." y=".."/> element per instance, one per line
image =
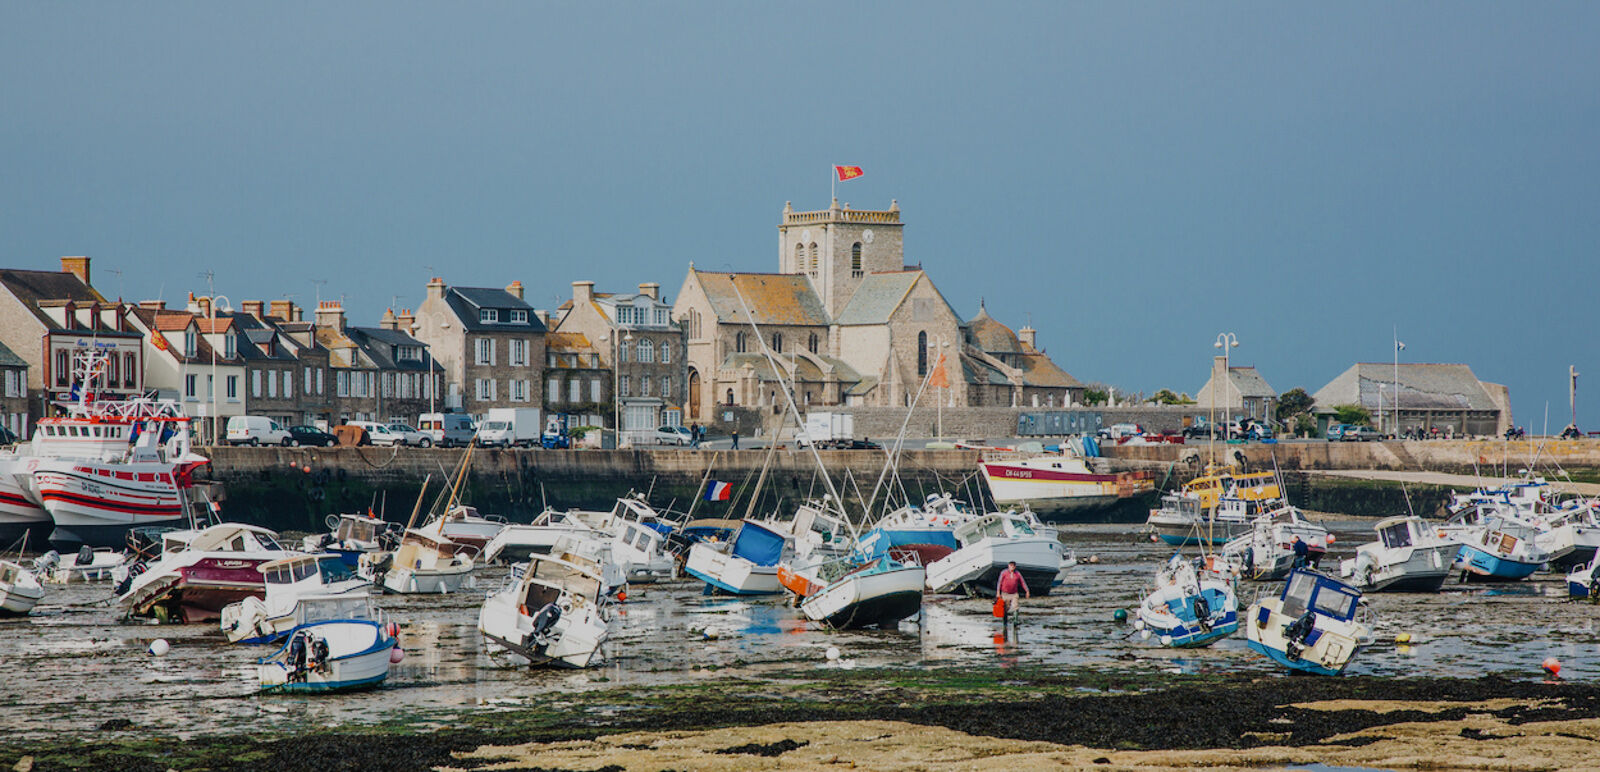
<point x="1009" y="587"/>
<point x="1301" y="552"/>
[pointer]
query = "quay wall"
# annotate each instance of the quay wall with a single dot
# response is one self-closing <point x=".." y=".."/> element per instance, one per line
<point x="1451" y="456"/>
<point x="296" y="488"/>
<point x="976" y="423"/>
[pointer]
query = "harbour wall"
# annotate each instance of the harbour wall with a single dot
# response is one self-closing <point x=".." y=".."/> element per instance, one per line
<point x="1452" y="456"/>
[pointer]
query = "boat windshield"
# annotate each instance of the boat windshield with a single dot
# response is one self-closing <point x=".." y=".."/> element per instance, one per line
<point x="1396" y="536"/>
<point x="1335" y="602"/>
<point x="334" y="570"/>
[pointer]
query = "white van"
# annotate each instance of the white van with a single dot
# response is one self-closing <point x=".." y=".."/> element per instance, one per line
<point x="448" y="429"/>
<point x="257" y="430"/>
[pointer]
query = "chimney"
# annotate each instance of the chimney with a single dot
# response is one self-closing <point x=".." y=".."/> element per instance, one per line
<point x="202" y="306"/>
<point x="1029" y="337"/>
<point x="330" y="313"/>
<point x="582" y="292"/>
<point x="436" y="289"/>
<point x="77" y="266"/>
<point x="297" y="312"/>
<point x="407" y="321"/>
<point x="283" y="309"/>
<point x="153" y="305"/>
<point x="544" y="316"/>
<point x="254" y="308"/>
<point x="515" y="288"/>
<point x="652" y="289"/>
<point x="389" y="322"/>
<point x="1220" y="381"/>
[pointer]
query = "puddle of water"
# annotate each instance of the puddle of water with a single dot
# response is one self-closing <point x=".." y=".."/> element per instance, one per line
<point x="85" y="667"/>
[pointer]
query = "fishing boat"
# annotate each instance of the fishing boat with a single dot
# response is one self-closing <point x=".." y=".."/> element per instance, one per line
<point x="1188" y="608"/>
<point x="200" y="572"/>
<point x="986" y="545"/>
<point x="747" y="564"/>
<point x="299" y="589"/>
<point x="1060" y="483"/>
<point x="1267" y="552"/>
<point x="425" y="562"/>
<point x="1409" y="556"/>
<point x="1584" y="581"/>
<point x="1500" y="550"/>
<point x="20" y="590"/>
<point x="638" y="538"/>
<point x="1569" y="533"/>
<point x="549" y="613"/>
<point x="1214" y="507"/>
<point x="352" y="535"/>
<point x="330" y="656"/>
<point x="21" y="514"/>
<point x="847" y="594"/>
<point x="1317" y="624"/>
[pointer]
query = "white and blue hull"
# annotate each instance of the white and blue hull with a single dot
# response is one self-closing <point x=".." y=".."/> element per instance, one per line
<point x="1485" y="566"/>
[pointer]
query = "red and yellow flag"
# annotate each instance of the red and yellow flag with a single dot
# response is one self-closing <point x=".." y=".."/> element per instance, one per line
<point x="848" y="172"/>
<point x="158" y="339"/>
<point x="940" y="378"/>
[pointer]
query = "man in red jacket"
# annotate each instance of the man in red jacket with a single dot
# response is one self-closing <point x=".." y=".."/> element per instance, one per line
<point x="1010" y="586"/>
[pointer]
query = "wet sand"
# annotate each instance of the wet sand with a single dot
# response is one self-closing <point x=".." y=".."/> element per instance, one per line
<point x="673" y="648"/>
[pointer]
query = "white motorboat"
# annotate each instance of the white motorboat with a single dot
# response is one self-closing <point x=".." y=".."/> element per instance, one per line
<point x="1060" y="483"/>
<point x="986" y="545"/>
<point x="517" y="542"/>
<point x="549" y="613"/>
<point x="20" y="590"/>
<point x="463" y="525"/>
<point x="1316" y="625"/>
<point x="200" y="572"/>
<point x="351" y="536"/>
<point x="86" y="565"/>
<point x="299" y="589"/>
<point x="1501" y="549"/>
<point x="1188" y="608"/>
<point x="1584" y="581"/>
<point x="330" y="656"/>
<point x="1267" y="552"/>
<point x="424" y="563"/>
<point x="1215" y="506"/>
<point x="845" y="594"/>
<point x="638" y="539"/>
<point x="747" y="564"/>
<point x="1409" y="556"/>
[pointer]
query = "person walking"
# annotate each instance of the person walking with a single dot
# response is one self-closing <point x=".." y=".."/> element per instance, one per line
<point x="1010" y="585"/>
<point x="694" y="435"/>
<point x="735" y="439"/>
<point x="1301" y="552"/>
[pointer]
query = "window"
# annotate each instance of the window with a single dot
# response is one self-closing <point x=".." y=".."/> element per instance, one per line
<point x="738" y="343"/>
<point x="622" y="351"/>
<point x="694" y="324"/>
<point x="272" y="384"/>
<point x="489" y="315"/>
<point x="799" y="258"/>
<point x="189" y="342"/>
<point x="666" y="385"/>
<point x="129" y="370"/>
<point x="519" y="353"/>
<point x="388" y="384"/>
<point x="485" y="351"/>
<point x="595" y="392"/>
<point x="485" y="389"/>
<point x="319" y="380"/>
<point x="574" y="391"/>
<point x="519" y="316"/>
<point x="811" y="343"/>
<point x="814" y="261"/>
<point x="661" y="316"/>
<point x="855" y="260"/>
<point x="229" y="346"/>
<point x="519" y="391"/>
<point x="553" y="388"/>
<point x="647" y="351"/>
<point x="777" y="343"/>
<point x="922" y="353"/>
<point x="666" y="353"/>
<point x="63" y="367"/>
<point x="730" y="397"/>
<point x="113" y="370"/>
<point x="342" y="383"/>
<point x="644" y="386"/>
<point x="233" y="388"/>
<point x="626" y="386"/>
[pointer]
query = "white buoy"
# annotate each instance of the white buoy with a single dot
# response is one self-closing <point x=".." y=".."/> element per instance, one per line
<point x="1144" y="635"/>
<point x="159" y="647"/>
<point x="1166" y="640"/>
<point x="833" y="653"/>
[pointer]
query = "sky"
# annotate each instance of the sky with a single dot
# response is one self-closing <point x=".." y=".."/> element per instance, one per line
<point x="1132" y="179"/>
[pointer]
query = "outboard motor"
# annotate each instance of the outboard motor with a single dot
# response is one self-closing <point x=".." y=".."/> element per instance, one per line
<point x="85" y="555"/>
<point x="544" y="621"/>
<point x="1202" y="612"/>
<point x="46" y="563"/>
<point x="319" y="652"/>
<point x="1294" y="636"/>
<point x="133" y="573"/>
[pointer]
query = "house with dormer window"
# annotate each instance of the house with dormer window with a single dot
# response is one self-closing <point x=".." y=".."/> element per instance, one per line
<point x="635" y="335"/>
<point x="193" y="359"/>
<point x="488" y="342"/>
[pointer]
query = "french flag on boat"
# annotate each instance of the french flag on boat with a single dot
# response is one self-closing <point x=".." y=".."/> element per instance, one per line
<point x="718" y="491"/>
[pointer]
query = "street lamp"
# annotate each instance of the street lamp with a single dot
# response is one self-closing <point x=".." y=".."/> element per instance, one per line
<point x="214" y="303"/>
<point x="1225" y="341"/>
<point x="616" y="379"/>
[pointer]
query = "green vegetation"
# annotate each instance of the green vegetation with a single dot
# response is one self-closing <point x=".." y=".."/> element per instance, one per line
<point x="1167" y="397"/>
<point x="1352" y="414"/>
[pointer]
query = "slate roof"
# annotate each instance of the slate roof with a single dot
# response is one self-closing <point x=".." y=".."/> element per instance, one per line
<point x="1422" y="387"/>
<point x="261" y="339"/>
<point x="30" y="287"/>
<point x="774" y="298"/>
<point x="9" y="358"/>
<point x="877" y="297"/>
<point x="466" y="302"/>
<point x="171" y="325"/>
<point x="567" y="342"/>
<point x="380" y="346"/>
<point x="1038" y="370"/>
<point x="980" y="373"/>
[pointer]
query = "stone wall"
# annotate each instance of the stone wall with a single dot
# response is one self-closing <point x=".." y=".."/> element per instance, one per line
<point x="980" y="423"/>
<point x="1453" y="456"/>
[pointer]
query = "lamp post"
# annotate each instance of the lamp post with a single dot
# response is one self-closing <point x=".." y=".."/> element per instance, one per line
<point x="212" y="304"/>
<point x="1225" y="341"/>
<point x="616" y="379"/>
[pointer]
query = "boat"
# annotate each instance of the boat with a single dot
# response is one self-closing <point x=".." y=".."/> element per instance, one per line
<point x="916" y="534"/>
<point x="20" y="590"/>
<point x="88" y="564"/>
<point x="747" y="564"/>
<point x="1409" y="556"/>
<point x="986" y="545"/>
<point x="21" y="515"/>
<point x="463" y="525"/>
<point x="1060" y="483"/>
<point x="352" y="535"/>
<point x="330" y="656"/>
<point x="1500" y="550"/>
<point x="425" y="562"/>
<point x="1584" y="581"/>
<point x="1570" y="534"/>
<point x="847" y="594"/>
<point x="1188" y="608"/>
<point x="1317" y="624"/>
<point x="299" y="589"/>
<point x="517" y="542"/>
<point x="638" y="538"/>
<point x="1214" y="507"/>
<point x="549" y="613"/>
<point x="1267" y="552"/>
<point x="199" y="572"/>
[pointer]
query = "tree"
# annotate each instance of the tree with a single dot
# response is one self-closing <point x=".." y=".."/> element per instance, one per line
<point x="1352" y="414"/>
<point x="1294" y="402"/>
<point x="1093" y="396"/>
<point x="1167" y="397"/>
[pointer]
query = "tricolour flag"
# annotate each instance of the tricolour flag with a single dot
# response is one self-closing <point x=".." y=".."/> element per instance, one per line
<point x="718" y="491"/>
<point x="848" y="172"/>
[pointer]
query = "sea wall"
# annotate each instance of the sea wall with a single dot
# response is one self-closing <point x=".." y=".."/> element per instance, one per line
<point x="1453" y="456"/>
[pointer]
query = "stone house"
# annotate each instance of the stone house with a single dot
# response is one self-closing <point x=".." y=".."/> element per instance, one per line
<point x="272" y="367"/>
<point x="489" y="343"/>
<point x="14" y="405"/>
<point x="636" y="336"/>
<point x="1244" y="393"/>
<point x="50" y="318"/>
<point x="1002" y="368"/>
<point x="1448" y="397"/>
<point x="379" y="373"/>
<point x="202" y="370"/>
<point x="577" y="381"/>
<point x="315" y="395"/>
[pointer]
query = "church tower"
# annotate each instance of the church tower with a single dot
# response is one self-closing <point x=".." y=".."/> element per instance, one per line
<point x="838" y="246"/>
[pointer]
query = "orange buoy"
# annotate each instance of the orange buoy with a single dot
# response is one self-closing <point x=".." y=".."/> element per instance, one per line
<point x="1552" y="666"/>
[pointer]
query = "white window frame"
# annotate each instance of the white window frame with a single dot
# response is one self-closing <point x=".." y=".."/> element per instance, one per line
<point x="255" y="384"/>
<point x="288" y="384"/>
<point x="519" y="316"/>
<point x="553" y="388"/>
<point x="488" y="316"/>
<point x="272" y="384"/>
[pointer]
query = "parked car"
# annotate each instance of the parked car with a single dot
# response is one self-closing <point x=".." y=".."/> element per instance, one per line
<point x="1359" y="434"/>
<point x="672" y="435"/>
<point x="393" y="434"/>
<point x="257" y="430"/>
<point x="1119" y="431"/>
<point x="312" y="436"/>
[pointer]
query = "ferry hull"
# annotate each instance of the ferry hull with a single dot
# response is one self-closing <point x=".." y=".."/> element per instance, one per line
<point x="95" y="504"/>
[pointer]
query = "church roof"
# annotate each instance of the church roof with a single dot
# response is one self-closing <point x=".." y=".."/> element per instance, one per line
<point x="1038" y="370"/>
<point x="880" y="294"/>
<point x="992" y="337"/>
<point x="774" y="298"/>
<point x="1422" y="387"/>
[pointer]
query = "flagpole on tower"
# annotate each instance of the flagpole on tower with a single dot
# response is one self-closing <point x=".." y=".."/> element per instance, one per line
<point x="833" y="183"/>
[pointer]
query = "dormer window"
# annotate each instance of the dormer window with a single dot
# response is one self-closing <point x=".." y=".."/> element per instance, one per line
<point x="229" y="348"/>
<point x="519" y="316"/>
<point x="189" y="342"/>
<point x="489" y="315"/>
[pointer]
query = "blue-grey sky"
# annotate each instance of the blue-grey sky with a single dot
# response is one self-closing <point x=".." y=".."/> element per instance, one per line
<point x="1134" y="178"/>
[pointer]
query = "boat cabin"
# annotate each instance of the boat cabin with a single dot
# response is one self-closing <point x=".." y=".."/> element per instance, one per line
<point x="226" y="537"/>
<point x="994" y="526"/>
<point x="1399" y="532"/>
<point x="545" y="579"/>
<point x="359" y="528"/>
<point x="1323" y="594"/>
<point x="308" y="569"/>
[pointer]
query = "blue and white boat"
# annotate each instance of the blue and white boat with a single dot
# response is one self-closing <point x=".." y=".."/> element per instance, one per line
<point x="847" y="594"/>
<point x="1501" y="550"/>
<point x="747" y="564"/>
<point x="299" y="589"/>
<point x="1188" y="608"/>
<point x="926" y="532"/>
<point x="337" y="655"/>
<point x="1316" y="625"/>
<point x="1584" y="581"/>
<point x="351" y="536"/>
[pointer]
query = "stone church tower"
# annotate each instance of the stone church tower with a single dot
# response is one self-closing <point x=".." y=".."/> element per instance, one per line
<point x="837" y="247"/>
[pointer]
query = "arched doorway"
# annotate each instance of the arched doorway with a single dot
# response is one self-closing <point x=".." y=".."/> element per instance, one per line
<point x="694" y="394"/>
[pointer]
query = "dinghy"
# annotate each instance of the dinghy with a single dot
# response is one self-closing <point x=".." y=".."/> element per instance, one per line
<point x="1316" y="625"/>
<point x="332" y="656"/>
<point x="20" y="590"/>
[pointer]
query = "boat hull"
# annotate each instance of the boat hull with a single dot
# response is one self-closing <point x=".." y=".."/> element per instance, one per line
<point x="975" y="569"/>
<point x="96" y="504"/>
<point x="730" y="575"/>
<point x="1480" y="566"/>
<point x="868" y="599"/>
<point x="197" y="592"/>
<point x="411" y="581"/>
<point x="575" y="644"/>
<point x="1048" y="490"/>
<point x="1327" y="650"/>
<point x="344" y="671"/>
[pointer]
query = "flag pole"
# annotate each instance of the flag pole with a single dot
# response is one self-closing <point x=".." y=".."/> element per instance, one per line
<point x="833" y="181"/>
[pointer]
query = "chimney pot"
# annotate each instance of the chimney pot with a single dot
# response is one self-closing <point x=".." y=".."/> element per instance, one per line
<point x="515" y="288"/>
<point x="651" y="289"/>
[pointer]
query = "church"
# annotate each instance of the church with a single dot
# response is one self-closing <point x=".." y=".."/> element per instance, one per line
<point x="848" y="323"/>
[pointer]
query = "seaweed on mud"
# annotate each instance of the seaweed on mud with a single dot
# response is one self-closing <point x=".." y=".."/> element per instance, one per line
<point x="765" y="749"/>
